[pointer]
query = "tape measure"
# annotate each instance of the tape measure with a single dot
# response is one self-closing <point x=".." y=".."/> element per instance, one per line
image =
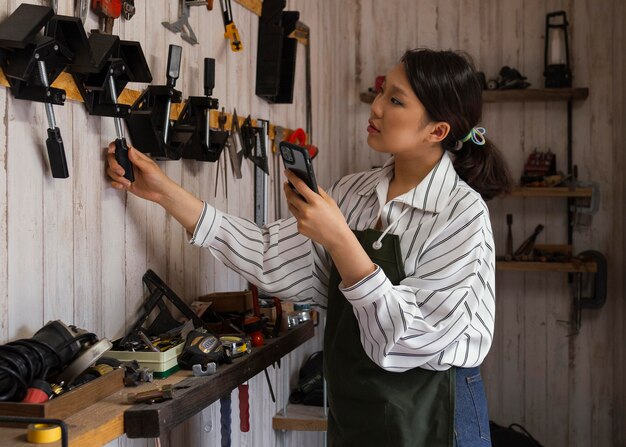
<point x="43" y="433"/>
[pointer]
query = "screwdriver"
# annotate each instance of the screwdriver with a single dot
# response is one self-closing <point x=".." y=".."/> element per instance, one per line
<point x="121" y="148"/>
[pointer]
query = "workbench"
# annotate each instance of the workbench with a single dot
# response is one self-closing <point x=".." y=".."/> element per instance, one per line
<point x="111" y="418"/>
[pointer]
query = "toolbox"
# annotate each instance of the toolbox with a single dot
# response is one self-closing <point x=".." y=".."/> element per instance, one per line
<point x="163" y="363"/>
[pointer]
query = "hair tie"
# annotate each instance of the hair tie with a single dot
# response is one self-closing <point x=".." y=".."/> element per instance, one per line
<point x="477" y="135"/>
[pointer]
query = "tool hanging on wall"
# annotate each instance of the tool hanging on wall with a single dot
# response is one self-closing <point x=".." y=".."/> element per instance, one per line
<point x="116" y="63"/>
<point x="81" y="8"/>
<point x="236" y="156"/>
<point x="32" y="62"/>
<point x="149" y="119"/>
<point x="299" y="137"/>
<point x="276" y="53"/>
<point x="589" y="289"/>
<point x="221" y="120"/>
<point x="279" y="135"/>
<point x="182" y="25"/>
<point x="191" y="132"/>
<point x="261" y="170"/>
<point x="302" y="34"/>
<point x="107" y="11"/>
<point x="225" y="420"/>
<point x="254" y="143"/>
<point x="230" y="29"/>
<point x="128" y="9"/>
<point x="244" y="408"/>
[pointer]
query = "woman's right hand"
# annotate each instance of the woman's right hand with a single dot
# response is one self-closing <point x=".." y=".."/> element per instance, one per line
<point x="150" y="183"/>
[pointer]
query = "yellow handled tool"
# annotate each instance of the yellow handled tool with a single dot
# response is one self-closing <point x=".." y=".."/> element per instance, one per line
<point x="231" y="32"/>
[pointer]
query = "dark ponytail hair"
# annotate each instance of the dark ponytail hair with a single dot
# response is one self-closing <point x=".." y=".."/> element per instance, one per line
<point x="447" y="85"/>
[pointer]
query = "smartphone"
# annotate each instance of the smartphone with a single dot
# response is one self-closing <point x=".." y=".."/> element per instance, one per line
<point x="297" y="160"/>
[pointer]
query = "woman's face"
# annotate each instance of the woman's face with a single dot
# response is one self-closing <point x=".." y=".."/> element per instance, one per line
<point x="398" y="122"/>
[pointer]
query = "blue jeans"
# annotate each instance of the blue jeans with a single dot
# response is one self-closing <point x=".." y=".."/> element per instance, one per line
<point x="471" y="418"/>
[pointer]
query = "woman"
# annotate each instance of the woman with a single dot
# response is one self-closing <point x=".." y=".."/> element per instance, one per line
<point x="402" y="256"/>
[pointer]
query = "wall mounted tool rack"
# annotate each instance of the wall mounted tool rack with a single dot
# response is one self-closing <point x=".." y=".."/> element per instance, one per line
<point x="129" y="96"/>
<point x="110" y="418"/>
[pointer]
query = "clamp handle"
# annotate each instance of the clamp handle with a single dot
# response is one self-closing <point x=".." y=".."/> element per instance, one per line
<point x="121" y="156"/>
<point x="56" y="154"/>
<point x="174" y="57"/>
<point x="209" y="76"/>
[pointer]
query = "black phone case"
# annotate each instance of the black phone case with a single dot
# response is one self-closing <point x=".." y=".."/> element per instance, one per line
<point x="300" y="165"/>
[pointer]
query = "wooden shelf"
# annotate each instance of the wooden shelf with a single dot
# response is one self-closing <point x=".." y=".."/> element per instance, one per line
<point x="564" y="267"/>
<point x="536" y="94"/>
<point x="529" y="94"/>
<point x="151" y="421"/>
<point x="300" y="418"/>
<point x="111" y="417"/>
<point x="556" y="191"/>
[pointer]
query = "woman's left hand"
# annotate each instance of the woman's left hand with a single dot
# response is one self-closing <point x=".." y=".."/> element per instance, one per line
<point x="319" y="217"/>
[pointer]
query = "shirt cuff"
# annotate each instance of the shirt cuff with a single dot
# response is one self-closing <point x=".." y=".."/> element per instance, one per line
<point x="368" y="289"/>
<point x="207" y="226"/>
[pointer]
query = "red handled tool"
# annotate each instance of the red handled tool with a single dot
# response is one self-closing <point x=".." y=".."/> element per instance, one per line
<point x="108" y="10"/>
<point x="244" y="408"/>
<point x="298" y="136"/>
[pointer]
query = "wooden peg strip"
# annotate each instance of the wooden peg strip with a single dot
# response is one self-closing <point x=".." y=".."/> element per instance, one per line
<point x="65" y="81"/>
<point x="252" y="5"/>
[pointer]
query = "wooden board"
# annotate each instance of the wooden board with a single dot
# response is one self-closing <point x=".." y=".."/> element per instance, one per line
<point x="128" y="96"/>
<point x="71" y="402"/>
<point x="151" y="421"/>
<point x="557" y="191"/>
<point x="300" y="418"/>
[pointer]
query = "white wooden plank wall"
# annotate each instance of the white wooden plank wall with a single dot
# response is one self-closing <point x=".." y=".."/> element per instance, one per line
<point x="76" y="249"/>
<point x="567" y="391"/>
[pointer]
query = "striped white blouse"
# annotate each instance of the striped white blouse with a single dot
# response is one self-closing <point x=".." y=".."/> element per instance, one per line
<point x="440" y="315"/>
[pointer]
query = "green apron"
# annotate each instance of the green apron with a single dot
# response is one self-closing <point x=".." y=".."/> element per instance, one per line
<point x="369" y="406"/>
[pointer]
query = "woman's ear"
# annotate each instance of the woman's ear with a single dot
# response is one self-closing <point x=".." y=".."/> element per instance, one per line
<point x="438" y="132"/>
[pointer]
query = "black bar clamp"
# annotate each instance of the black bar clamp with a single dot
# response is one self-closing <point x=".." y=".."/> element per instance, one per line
<point x="32" y="61"/>
<point x="121" y="60"/>
<point x="149" y="121"/>
<point x="192" y="132"/>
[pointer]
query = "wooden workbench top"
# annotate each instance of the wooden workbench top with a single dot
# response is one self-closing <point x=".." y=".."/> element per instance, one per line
<point x="111" y="418"/>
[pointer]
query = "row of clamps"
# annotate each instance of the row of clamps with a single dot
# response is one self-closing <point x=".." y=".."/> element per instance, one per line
<point x="189" y="136"/>
<point x="36" y="46"/>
